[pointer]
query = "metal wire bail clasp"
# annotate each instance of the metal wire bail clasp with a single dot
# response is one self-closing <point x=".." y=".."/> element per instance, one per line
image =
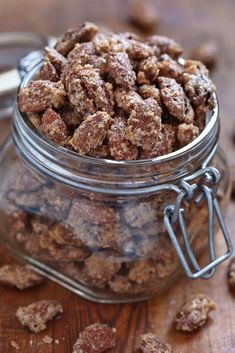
<point x="174" y="216"/>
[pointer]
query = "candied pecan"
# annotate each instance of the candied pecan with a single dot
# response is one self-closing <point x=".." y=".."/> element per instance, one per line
<point x="231" y="274"/>
<point x="19" y="276"/>
<point x="165" y="45"/>
<point x="101" y="267"/>
<point x="148" y="70"/>
<point x="81" y="54"/>
<point x="101" y="43"/>
<point x="39" y="225"/>
<point x="150" y="91"/>
<point x="88" y="92"/>
<point x="139" y="213"/>
<point x="91" y="133"/>
<point x="25" y="180"/>
<point x="142" y="272"/>
<point x="96" y="338"/>
<point x="207" y="53"/>
<point x="55" y="58"/>
<point x="36" y="315"/>
<point x="120" y="284"/>
<point x="47" y="72"/>
<point x="120" y="148"/>
<point x="198" y="86"/>
<point x="144" y="123"/>
<point x="194" y="67"/>
<point x="40" y="95"/>
<point x="79" y="98"/>
<point x="70" y="116"/>
<point x="187" y="133"/>
<point x="169" y="67"/>
<point x="64" y="235"/>
<point x="119" y="67"/>
<point x="35" y="119"/>
<point x="150" y="343"/>
<point x="92" y="211"/>
<point x="113" y="42"/>
<point x="200" y="118"/>
<point x="56" y="206"/>
<point x="194" y="313"/>
<point x="176" y="100"/>
<point x="84" y="33"/>
<point x="126" y="100"/>
<point x="54" y="127"/>
<point x="144" y="15"/>
<point x="137" y="50"/>
<point x="164" y="143"/>
<point x="63" y="253"/>
<point x="100" y="152"/>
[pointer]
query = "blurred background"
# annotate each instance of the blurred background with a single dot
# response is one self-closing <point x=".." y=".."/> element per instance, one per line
<point x="191" y="22"/>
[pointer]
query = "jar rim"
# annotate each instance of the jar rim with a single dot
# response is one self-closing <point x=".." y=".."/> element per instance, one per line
<point x="213" y="119"/>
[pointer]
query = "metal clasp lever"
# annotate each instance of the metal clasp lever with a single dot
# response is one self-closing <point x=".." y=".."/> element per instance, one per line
<point x="174" y="215"/>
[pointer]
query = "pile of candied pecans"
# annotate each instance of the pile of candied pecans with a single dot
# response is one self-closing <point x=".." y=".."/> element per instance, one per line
<point x="117" y="96"/>
<point x="99" y="338"/>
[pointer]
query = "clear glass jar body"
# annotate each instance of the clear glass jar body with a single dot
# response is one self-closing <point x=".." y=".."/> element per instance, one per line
<point x="97" y="226"/>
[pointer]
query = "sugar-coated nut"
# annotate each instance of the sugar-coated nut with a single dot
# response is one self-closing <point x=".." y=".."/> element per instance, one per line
<point x="91" y="133"/>
<point x="54" y="127"/>
<point x="148" y="70"/>
<point x="198" y="86"/>
<point x="194" y="312"/>
<point x="70" y="116"/>
<point x="47" y="72"/>
<point x="101" y="151"/>
<point x="96" y="338"/>
<point x="119" y="67"/>
<point x="137" y="50"/>
<point x="194" y="67"/>
<point x="176" y="100"/>
<point x="142" y="272"/>
<point x="93" y="211"/>
<point x="101" y="267"/>
<point x="144" y="15"/>
<point x="87" y="91"/>
<point x="55" y="58"/>
<point x="126" y="99"/>
<point x="150" y="343"/>
<point x="64" y="253"/>
<point x="139" y="213"/>
<point x="150" y="91"/>
<point x="35" y="119"/>
<point x="200" y="118"/>
<point x="165" y="45"/>
<point x="207" y="53"/>
<point x="19" y="276"/>
<point x="83" y="33"/>
<point x="186" y="133"/>
<point x="36" y="315"/>
<point x="81" y="54"/>
<point x="144" y="123"/>
<point x="63" y="235"/>
<point x="169" y="67"/>
<point x="164" y="143"/>
<point x="120" y="148"/>
<point x="231" y="274"/>
<point x="41" y="95"/>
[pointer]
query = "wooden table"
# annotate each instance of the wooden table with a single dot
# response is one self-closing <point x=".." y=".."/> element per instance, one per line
<point x="189" y="21"/>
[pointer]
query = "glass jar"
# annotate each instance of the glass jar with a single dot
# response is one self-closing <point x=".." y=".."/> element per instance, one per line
<point x="112" y="231"/>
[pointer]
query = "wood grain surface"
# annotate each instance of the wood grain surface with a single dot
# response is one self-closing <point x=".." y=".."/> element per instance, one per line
<point x="190" y="22"/>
